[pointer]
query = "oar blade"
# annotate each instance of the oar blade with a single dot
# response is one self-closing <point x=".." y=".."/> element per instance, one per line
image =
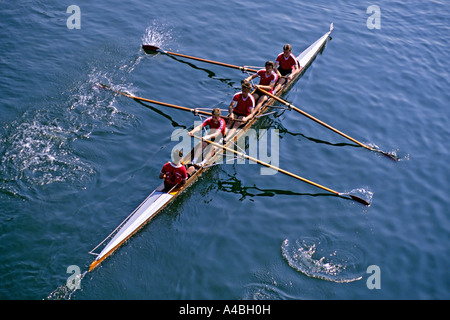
<point x="360" y="200"/>
<point x="102" y="85"/>
<point x="389" y="155"/>
<point x="148" y="48"/>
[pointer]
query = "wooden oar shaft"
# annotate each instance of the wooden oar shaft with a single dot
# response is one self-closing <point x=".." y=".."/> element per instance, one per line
<point x="271" y="166"/>
<point x="211" y="61"/>
<point x="164" y="104"/>
<point x="154" y="48"/>
<point x="195" y="111"/>
<point x="315" y="119"/>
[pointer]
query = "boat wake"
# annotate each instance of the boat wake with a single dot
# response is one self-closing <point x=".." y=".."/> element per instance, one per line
<point x="322" y="259"/>
<point x="38" y="152"/>
<point x="40" y="147"/>
<point x="66" y="291"/>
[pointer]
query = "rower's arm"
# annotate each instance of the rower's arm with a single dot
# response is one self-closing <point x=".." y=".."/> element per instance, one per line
<point x="253" y="76"/>
<point x="252" y="113"/>
<point x="215" y="134"/>
<point x="196" y="129"/>
<point x="267" y="87"/>
<point x="296" y="69"/>
<point x="231" y="106"/>
<point x="276" y="69"/>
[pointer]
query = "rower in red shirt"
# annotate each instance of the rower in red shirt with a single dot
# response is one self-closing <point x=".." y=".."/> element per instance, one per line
<point x="241" y="108"/>
<point x="286" y="66"/>
<point x="268" y="79"/>
<point x="174" y="172"/>
<point x="217" y="129"/>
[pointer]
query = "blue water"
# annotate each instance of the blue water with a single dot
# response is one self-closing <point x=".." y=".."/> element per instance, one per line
<point x="75" y="159"/>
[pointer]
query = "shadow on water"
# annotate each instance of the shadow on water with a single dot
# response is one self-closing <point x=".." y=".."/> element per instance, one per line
<point x="234" y="185"/>
<point x="210" y="73"/>
<point x="158" y="111"/>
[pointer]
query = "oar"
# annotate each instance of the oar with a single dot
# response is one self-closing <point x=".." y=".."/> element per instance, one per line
<point x="344" y="195"/>
<point x="326" y="125"/>
<point x="195" y="111"/>
<point x="149" y="48"/>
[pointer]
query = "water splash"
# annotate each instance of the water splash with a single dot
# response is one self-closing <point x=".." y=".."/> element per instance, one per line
<point x="38" y="152"/>
<point x="38" y="149"/>
<point x="66" y="291"/>
<point x="157" y="34"/>
<point x="363" y="193"/>
<point x="400" y="156"/>
<point x="313" y="258"/>
<point x="394" y="154"/>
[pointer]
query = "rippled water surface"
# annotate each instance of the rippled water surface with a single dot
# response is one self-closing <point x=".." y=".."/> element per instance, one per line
<point x="76" y="159"/>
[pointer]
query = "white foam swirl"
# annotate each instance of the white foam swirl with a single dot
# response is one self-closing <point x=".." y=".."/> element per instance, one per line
<point x="312" y="258"/>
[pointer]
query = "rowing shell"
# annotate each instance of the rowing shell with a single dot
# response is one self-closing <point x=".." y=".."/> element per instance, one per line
<point x="159" y="199"/>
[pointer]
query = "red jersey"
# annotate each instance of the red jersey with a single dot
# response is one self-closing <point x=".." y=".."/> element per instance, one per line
<point x="213" y="124"/>
<point x="174" y="174"/>
<point x="286" y="63"/>
<point x="266" y="80"/>
<point x="244" y="106"/>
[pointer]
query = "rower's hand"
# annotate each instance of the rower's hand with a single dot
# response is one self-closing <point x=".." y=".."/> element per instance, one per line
<point x="190" y="133"/>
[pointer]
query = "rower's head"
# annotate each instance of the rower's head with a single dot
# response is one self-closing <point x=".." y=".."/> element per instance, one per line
<point x="269" y="66"/>
<point x="246" y="87"/>
<point x="177" y="154"/>
<point x="287" y="49"/>
<point x="216" y="113"/>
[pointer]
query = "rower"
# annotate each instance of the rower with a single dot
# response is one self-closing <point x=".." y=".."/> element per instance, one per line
<point x="286" y="66"/>
<point x="217" y="129"/>
<point x="241" y="108"/>
<point x="268" y="79"/>
<point x="174" y="172"/>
